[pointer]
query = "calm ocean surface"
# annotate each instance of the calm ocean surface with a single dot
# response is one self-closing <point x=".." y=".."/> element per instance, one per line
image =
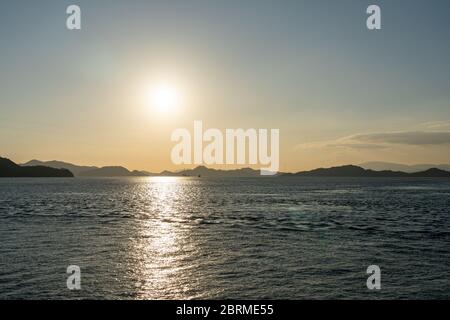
<point x="189" y="238"/>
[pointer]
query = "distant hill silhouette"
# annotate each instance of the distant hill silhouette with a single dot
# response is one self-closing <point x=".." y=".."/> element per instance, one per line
<point x="380" y="166"/>
<point x="89" y="171"/>
<point x="115" y="171"/>
<point x="10" y="169"/>
<point x="433" y="172"/>
<point x="355" y="171"/>
<point x="75" y="169"/>
<point x="203" y="171"/>
<point x="119" y="171"/>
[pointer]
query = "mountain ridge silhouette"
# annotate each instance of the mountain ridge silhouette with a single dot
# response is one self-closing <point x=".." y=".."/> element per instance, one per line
<point x="203" y="171"/>
<point x="356" y="171"/>
<point x="381" y="165"/>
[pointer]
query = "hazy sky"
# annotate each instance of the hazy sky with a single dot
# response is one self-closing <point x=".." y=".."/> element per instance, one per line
<point x="338" y="92"/>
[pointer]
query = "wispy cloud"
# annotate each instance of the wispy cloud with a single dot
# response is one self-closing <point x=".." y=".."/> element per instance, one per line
<point x="407" y="137"/>
<point x="382" y="140"/>
<point x="437" y="124"/>
<point x="357" y="145"/>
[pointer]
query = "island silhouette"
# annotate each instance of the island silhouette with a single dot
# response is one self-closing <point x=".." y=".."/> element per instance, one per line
<point x="11" y="169"/>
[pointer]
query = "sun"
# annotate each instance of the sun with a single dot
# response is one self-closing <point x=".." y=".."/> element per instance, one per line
<point x="164" y="98"/>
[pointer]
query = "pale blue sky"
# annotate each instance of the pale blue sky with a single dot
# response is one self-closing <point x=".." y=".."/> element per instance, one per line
<point x="310" y="68"/>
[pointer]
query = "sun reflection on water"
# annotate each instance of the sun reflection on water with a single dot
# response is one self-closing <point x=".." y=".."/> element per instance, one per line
<point x="163" y="241"/>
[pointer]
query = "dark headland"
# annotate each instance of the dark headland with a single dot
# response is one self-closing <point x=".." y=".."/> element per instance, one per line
<point x="9" y="169"/>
